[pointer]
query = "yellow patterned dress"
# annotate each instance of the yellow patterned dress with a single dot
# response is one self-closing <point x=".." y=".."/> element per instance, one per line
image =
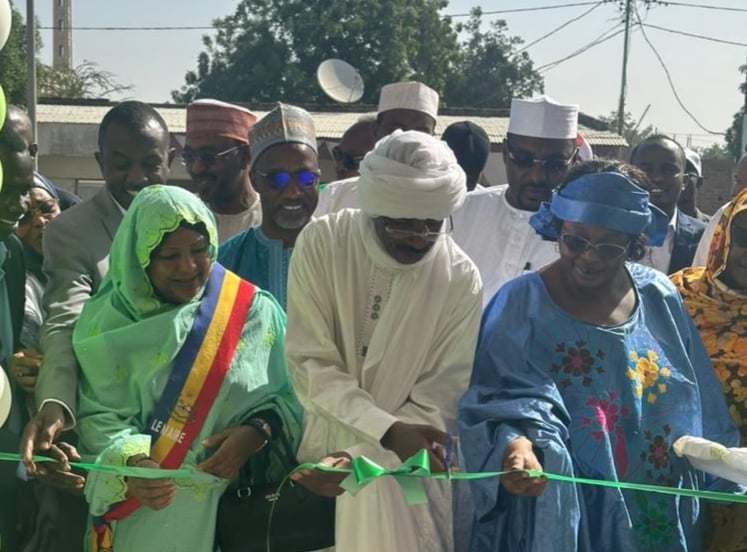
<point x="720" y="315"/>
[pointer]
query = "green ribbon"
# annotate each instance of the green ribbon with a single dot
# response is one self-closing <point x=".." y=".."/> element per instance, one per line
<point x="122" y="471"/>
<point x="409" y="475"/>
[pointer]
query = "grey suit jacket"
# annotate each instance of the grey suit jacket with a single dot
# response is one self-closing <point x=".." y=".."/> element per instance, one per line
<point x="76" y="259"/>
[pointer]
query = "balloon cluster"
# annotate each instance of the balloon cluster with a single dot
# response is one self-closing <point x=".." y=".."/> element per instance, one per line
<point x="5" y="19"/>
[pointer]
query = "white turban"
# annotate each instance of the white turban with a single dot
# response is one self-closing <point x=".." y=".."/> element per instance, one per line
<point x="411" y="175"/>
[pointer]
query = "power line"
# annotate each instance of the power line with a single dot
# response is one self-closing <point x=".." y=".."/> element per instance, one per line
<point x="209" y="28"/>
<point x="702" y="6"/>
<point x="520" y="10"/>
<point x="543" y="37"/>
<point x="669" y="78"/>
<point x="197" y="28"/>
<point x="559" y="28"/>
<point x="604" y="37"/>
<point x="693" y="35"/>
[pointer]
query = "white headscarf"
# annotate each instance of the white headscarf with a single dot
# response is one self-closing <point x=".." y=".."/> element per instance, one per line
<point x="411" y="175"/>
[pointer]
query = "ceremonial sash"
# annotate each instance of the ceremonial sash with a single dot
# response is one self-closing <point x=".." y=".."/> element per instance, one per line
<point x="195" y="379"/>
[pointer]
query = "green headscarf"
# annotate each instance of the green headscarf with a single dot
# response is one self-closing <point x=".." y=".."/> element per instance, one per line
<point x="126" y="298"/>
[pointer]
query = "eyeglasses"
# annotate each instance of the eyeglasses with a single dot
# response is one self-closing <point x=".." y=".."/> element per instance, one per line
<point x="207" y="159"/>
<point x="350" y="162"/>
<point x="605" y="251"/>
<point x="552" y="165"/>
<point x="43" y="209"/>
<point x="402" y="233"/>
<point x="280" y="179"/>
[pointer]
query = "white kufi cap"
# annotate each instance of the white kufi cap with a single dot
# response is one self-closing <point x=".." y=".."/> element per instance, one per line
<point x="543" y="117"/>
<point x="409" y="95"/>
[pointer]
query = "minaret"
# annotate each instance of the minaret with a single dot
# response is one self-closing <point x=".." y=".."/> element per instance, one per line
<point x="62" y="36"/>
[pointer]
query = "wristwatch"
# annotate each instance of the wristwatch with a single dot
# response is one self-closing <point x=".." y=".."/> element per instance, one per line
<point x="262" y="427"/>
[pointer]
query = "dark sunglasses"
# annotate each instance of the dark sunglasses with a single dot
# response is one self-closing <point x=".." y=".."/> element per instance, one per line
<point x="605" y="251"/>
<point x="280" y="179"/>
<point x="39" y="209"/>
<point x="526" y="160"/>
<point x="206" y="158"/>
<point x="350" y="162"/>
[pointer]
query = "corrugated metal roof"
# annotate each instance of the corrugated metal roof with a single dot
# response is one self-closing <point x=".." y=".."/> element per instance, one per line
<point x="328" y="124"/>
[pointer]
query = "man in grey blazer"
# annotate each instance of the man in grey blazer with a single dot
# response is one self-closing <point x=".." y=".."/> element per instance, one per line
<point x="134" y="152"/>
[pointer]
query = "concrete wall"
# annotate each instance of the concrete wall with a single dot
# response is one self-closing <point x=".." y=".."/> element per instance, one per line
<point x="717" y="184"/>
<point x="66" y="156"/>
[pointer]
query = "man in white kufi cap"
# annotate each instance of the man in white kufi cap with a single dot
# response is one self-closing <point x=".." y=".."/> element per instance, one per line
<point x="493" y="225"/>
<point x="383" y="315"/>
<point x="402" y="105"/>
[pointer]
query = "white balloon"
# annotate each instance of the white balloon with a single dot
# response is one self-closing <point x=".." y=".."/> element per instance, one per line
<point x="5" y="397"/>
<point x="5" y="19"/>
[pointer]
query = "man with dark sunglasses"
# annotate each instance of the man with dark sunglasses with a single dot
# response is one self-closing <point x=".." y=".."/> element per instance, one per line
<point x="357" y="141"/>
<point x="285" y="171"/>
<point x="402" y="106"/>
<point x="216" y="155"/>
<point x="493" y="225"/>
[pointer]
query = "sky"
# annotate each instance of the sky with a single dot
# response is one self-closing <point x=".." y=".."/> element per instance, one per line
<point x="705" y="74"/>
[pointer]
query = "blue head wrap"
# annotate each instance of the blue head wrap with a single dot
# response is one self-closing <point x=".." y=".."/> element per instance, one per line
<point x="46" y="185"/>
<point x="606" y="199"/>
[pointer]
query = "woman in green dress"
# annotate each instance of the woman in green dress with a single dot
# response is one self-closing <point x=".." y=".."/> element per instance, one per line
<point x="182" y="365"/>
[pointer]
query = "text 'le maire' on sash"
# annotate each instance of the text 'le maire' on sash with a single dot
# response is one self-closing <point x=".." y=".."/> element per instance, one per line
<point x="196" y="377"/>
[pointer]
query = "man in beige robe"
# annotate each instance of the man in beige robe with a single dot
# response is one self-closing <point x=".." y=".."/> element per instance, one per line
<point x="383" y="315"/>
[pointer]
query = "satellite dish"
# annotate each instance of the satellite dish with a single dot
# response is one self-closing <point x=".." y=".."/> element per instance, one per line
<point x="340" y="81"/>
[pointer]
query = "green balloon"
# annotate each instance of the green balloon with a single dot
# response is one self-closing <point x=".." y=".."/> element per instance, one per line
<point x="2" y="121"/>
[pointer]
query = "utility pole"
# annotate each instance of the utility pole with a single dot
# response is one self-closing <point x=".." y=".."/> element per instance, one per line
<point x="624" y="82"/>
<point x="31" y="65"/>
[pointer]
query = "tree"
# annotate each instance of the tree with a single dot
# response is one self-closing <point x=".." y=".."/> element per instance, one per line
<point x="87" y="80"/>
<point x="489" y="71"/>
<point x="269" y="50"/>
<point x="632" y="131"/>
<point x="734" y="132"/>
<point x="714" y="151"/>
<point x="13" y="62"/>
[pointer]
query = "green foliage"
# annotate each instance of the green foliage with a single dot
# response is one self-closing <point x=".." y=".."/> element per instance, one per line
<point x="632" y="131"/>
<point x="269" y="50"/>
<point x="489" y="71"/>
<point x="13" y="62"/>
<point x="734" y="132"/>
<point x="714" y="151"/>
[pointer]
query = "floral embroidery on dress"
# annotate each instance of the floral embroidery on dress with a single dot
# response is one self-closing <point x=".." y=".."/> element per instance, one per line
<point x="655" y="525"/>
<point x="648" y="376"/>
<point x="607" y="418"/>
<point x="655" y="454"/>
<point x="576" y="361"/>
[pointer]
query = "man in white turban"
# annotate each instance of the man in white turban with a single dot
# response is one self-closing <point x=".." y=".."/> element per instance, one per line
<point x="402" y="106"/>
<point x="383" y="315"/>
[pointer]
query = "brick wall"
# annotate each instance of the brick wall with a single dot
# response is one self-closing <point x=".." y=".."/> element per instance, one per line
<point x="717" y="184"/>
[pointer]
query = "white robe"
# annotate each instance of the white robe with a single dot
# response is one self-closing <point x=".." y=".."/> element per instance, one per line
<point x="338" y="195"/>
<point x="704" y="246"/>
<point x="230" y="225"/>
<point x="499" y="239"/>
<point x="371" y="342"/>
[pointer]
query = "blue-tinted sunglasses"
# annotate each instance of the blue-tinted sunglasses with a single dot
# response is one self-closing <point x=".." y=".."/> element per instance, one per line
<point x="280" y="179"/>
